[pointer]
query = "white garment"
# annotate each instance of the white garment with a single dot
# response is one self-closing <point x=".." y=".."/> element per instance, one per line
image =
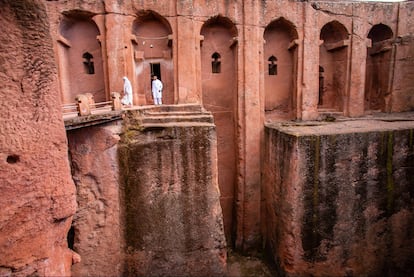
<point x="157" y="91"/>
<point x="127" y="99"/>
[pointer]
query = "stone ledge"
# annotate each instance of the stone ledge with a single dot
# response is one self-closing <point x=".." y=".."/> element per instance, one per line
<point x="90" y="120"/>
<point x="372" y="123"/>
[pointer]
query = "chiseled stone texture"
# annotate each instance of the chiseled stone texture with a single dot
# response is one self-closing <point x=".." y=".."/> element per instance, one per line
<point x="174" y="224"/>
<point x="98" y="236"/>
<point x="37" y="193"/>
<point x="339" y="198"/>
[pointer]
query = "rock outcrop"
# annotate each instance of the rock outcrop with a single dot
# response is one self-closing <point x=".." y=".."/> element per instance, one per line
<point x="97" y="226"/>
<point x="37" y="193"/>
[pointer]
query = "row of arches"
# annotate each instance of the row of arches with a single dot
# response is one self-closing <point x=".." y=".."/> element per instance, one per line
<point x="82" y="57"/>
<point x="152" y="52"/>
<point x="280" y="80"/>
<point x="81" y="60"/>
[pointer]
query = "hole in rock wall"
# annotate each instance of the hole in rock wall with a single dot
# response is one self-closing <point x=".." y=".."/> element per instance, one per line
<point x="12" y="159"/>
<point x="71" y="237"/>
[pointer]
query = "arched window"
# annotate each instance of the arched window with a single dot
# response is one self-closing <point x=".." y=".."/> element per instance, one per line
<point x="215" y="63"/>
<point x="272" y="65"/>
<point x="88" y="63"/>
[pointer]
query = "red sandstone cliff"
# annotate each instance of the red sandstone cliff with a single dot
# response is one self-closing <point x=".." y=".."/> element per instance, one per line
<point x="37" y="195"/>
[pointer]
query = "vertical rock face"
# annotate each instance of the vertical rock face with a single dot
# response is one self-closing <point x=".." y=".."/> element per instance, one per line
<point x="341" y="204"/>
<point x="174" y="224"/>
<point x="37" y="193"/>
<point x="97" y="227"/>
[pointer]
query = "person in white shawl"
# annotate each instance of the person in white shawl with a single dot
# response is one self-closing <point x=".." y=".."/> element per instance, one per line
<point x="127" y="98"/>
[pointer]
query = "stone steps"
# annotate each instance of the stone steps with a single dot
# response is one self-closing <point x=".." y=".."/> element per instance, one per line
<point x="169" y="115"/>
<point x="185" y="108"/>
<point x="176" y="118"/>
<point x="330" y="111"/>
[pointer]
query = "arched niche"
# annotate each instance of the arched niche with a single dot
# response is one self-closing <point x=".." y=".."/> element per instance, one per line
<point x="80" y="58"/>
<point x="152" y="47"/>
<point x="280" y="59"/>
<point x="219" y="95"/>
<point x="378" y="63"/>
<point x="333" y="59"/>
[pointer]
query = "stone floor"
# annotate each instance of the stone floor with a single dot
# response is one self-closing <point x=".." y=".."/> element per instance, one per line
<point x="248" y="266"/>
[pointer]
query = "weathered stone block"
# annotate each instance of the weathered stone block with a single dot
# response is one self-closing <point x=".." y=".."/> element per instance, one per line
<point x="174" y="224"/>
<point x="340" y="203"/>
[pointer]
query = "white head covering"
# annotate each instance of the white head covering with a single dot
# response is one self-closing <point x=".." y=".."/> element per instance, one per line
<point x="127" y="86"/>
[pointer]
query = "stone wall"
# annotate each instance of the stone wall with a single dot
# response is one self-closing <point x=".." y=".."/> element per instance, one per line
<point x="340" y="203"/>
<point x="37" y="193"/>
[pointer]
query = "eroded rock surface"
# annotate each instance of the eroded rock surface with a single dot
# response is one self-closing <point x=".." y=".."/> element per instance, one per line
<point x="37" y="193"/>
<point x="97" y="228"/>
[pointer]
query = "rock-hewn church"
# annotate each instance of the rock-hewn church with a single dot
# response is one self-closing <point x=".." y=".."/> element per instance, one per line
<point x="286" y="130"/>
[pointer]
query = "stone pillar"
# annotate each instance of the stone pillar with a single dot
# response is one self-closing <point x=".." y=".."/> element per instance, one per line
<point x="188" y="52"/>
<point x="116" y="101"/>
<point x="100" y="22"/>
<point x="118" y="41"/>
<point x="83" y="106"/>
<point x="310" y="59"/>
<point x="402" y="82"/>
<point x="358" y="64"/>
<point x="251" y="118"/>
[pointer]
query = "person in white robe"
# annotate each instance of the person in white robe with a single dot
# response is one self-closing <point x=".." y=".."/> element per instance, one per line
<point x="157" y="90"/>
<point x="127" y="98"/>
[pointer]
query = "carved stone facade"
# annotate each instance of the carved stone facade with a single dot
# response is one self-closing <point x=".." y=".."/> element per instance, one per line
<point x="247" y="62"/>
